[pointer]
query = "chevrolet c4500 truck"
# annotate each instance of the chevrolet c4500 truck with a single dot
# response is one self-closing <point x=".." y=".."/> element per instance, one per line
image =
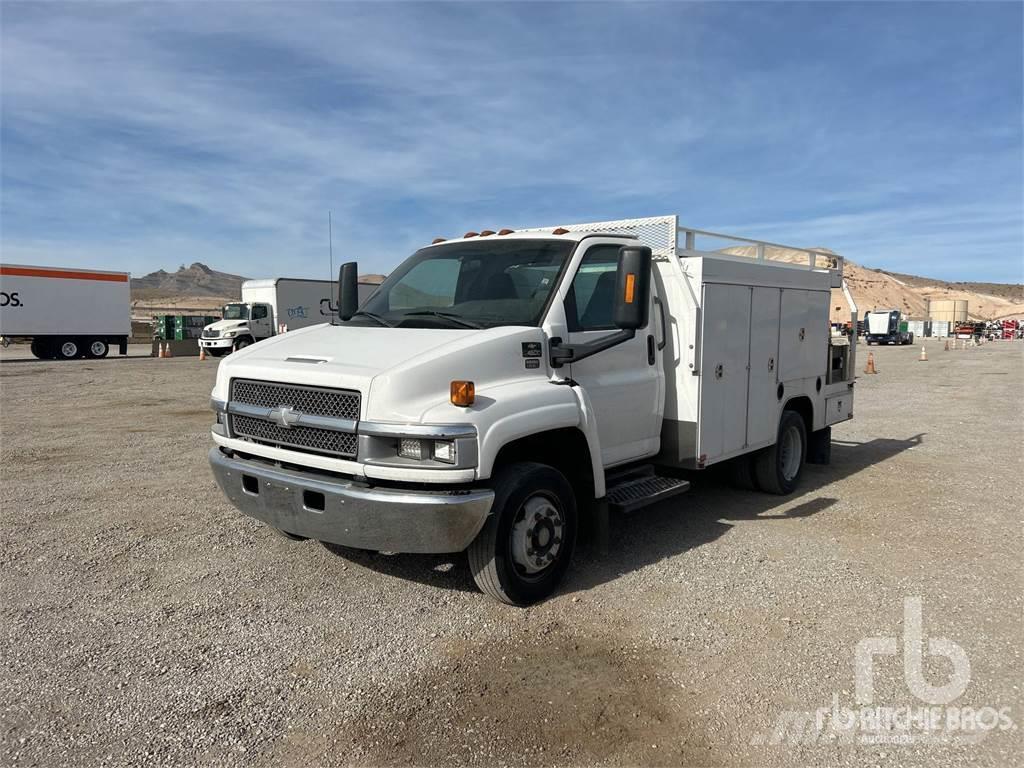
<point x="499" y="388"/>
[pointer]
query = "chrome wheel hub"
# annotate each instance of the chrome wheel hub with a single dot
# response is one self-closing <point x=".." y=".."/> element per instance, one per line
<point x="97" y="348"/>
<point x="537" y="534"/>
<point x="69" y="349"/>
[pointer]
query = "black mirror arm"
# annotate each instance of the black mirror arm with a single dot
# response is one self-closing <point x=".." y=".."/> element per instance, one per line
<point x="571" y="353"/>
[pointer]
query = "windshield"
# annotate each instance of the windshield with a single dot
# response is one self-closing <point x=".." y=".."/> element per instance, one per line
<point x="470" y="284"/>
<point x="236" y="312"/>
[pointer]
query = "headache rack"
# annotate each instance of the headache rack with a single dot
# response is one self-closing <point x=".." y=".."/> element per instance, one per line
<point x="666" y="237"/>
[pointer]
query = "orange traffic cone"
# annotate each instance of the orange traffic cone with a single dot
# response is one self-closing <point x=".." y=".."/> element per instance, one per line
<point x="202" y="353"/>
<point x="160" y="352"/>
<point x="168" y="354"/>
<point x="870" y="367"/>
<point x="924" y="355"/>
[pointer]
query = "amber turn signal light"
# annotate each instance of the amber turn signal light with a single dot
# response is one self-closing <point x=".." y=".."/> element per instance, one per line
<point x="630" y="287"/>
<point x="463" y="393"/>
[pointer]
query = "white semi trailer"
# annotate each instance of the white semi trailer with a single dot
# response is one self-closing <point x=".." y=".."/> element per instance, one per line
<point x="272" y="306"/>
<point x="66" y="313"/>
<point x="499" y="388"/>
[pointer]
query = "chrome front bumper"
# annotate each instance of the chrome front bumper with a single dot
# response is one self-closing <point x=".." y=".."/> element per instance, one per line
<point x="340" y="512"/>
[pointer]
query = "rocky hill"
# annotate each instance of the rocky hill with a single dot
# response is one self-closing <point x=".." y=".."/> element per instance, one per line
<point x="195" y="281"/>
<point x="878" y="289"/>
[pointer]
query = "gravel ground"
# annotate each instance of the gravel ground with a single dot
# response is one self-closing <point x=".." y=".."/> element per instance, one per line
<point x="145" y="621"/>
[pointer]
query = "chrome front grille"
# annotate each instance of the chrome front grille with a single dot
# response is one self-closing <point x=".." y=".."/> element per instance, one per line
<point x="308" y="419"/>
<point x="336" y="403"/>
<point x="211" y="333"/>
<point x="308" y="439"/>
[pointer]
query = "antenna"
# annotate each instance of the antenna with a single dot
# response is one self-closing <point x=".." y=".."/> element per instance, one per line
<point x="330" y="251"/>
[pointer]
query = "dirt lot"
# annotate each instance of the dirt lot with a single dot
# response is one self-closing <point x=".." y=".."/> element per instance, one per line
<point x="145" y="621"/>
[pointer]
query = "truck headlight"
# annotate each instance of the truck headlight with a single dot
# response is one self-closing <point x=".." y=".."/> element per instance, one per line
<point x="444" y="450"/>
<point x="230" y="334"/>
<point x="420" y="450"/>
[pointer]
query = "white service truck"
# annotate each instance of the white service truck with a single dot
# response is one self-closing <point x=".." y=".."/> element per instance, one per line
<point x="65" y="313"/>
<point x="499" y="388"/>
<point x="269" y="307"/>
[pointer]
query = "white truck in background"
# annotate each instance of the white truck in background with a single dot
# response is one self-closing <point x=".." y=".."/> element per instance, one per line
<point x="66" y="313"/>
<point x="499" y="388"/>
<point x="273" y="306"/>
<point x="887" y="326"/>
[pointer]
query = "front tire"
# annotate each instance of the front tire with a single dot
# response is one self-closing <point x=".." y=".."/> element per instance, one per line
<point x="779" y="467"/>
<point x="524" y="548"/>
<point x="242" y="343"/>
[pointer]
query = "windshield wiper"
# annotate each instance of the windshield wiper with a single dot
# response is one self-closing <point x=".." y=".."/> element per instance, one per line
<point x="374" y="316"/>
<point x="447" y="316"/>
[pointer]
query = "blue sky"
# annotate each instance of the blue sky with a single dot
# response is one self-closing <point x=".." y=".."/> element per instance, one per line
<point x="141" y="136"/>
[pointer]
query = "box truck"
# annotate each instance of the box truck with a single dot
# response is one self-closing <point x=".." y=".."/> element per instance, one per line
<point x="65" y="313"/>
<point x="269" y="307"/>
<point x="887" y="326"/>
<point x="498" y="389"/>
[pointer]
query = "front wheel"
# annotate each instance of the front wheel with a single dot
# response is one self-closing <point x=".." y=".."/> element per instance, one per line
<point x="242" y="343"/>
<point x="525" y="546"/>
<point x="778" y="467"/>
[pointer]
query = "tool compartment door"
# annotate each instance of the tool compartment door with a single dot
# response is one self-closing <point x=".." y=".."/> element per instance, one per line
<point x="725" y="345"/>
<point x="762" y="399"/>
<point x="803" y="335"/>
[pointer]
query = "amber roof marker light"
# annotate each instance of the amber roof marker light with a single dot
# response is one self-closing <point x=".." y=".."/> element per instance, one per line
<point x="506" y="232"/>
<point x="560" y="231"/>
<point x="463" y="393"/>
<point x="437" y="240"/>
<point x="486" y="232"/>
<point x="471" y="234"/>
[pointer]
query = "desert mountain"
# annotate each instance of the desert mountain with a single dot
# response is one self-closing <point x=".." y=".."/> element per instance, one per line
<point x="877" y="289"/>
<point x="195" y="281"/>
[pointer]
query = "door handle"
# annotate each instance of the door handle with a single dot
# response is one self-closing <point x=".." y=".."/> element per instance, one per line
<point x="661" y="316"/>
<point x="651" y="358"/>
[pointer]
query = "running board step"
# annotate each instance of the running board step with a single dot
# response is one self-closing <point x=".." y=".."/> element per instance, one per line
<point x="635" y="493"/>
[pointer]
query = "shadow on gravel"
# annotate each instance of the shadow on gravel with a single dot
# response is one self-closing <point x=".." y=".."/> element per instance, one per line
<point x="698" y="517"/>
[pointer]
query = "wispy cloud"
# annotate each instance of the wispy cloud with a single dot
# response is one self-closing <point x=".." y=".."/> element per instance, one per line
<point x="146" y="135"/>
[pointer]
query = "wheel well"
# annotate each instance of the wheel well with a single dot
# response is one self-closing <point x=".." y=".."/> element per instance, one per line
<point x="803" y="406"/>
<point x="564" y="449"/>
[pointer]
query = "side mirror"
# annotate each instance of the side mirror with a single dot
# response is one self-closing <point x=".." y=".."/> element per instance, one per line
<point x="348" y="290"/>
<point x="632" y="287"/>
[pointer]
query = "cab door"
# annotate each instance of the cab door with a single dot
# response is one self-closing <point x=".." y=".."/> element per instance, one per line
<point x="625" y="384"/>
<point x="261" y="322"/>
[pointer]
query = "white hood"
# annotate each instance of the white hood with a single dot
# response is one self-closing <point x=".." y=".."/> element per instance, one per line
<point x="402" y="372"/>
<point x="226" y="325"/>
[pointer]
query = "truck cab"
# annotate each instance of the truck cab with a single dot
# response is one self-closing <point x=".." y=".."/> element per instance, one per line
<point x="498" y="389"/>
<point x="241" y="324"/>
<point x="888" y="326"/>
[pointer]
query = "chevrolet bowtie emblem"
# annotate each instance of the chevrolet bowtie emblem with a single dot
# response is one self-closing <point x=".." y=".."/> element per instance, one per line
<point x="284" y="416"/>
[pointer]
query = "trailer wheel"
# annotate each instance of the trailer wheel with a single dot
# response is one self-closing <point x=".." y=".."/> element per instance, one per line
<point x="98" y="348"/>
<point x="524" y="548"/>
<point x="40" y="348"/>
<point x="778" y="468"/>
<point x="68" y="349"/>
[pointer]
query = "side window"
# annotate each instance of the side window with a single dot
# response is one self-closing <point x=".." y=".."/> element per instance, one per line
<point x="259" y="312"/>
<point x="590" y="299"/>
<point x="430" y="283"/>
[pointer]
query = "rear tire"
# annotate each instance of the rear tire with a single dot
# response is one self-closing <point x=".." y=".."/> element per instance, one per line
<point x="524" y="548"/>
<point x="40" y="348"/>
<point x="779" y="467"/>
<point x="742" y="472"/>
<point x="68" y="349"/>
<point x="97" y="348"/>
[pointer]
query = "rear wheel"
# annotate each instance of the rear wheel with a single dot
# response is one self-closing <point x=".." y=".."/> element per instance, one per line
<point x="778" y="467"/>
<point x="40" y="348"/>
<point x="68" y="349"/>
<point x="98" y="348"/>
<point x="525" y="547"/>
